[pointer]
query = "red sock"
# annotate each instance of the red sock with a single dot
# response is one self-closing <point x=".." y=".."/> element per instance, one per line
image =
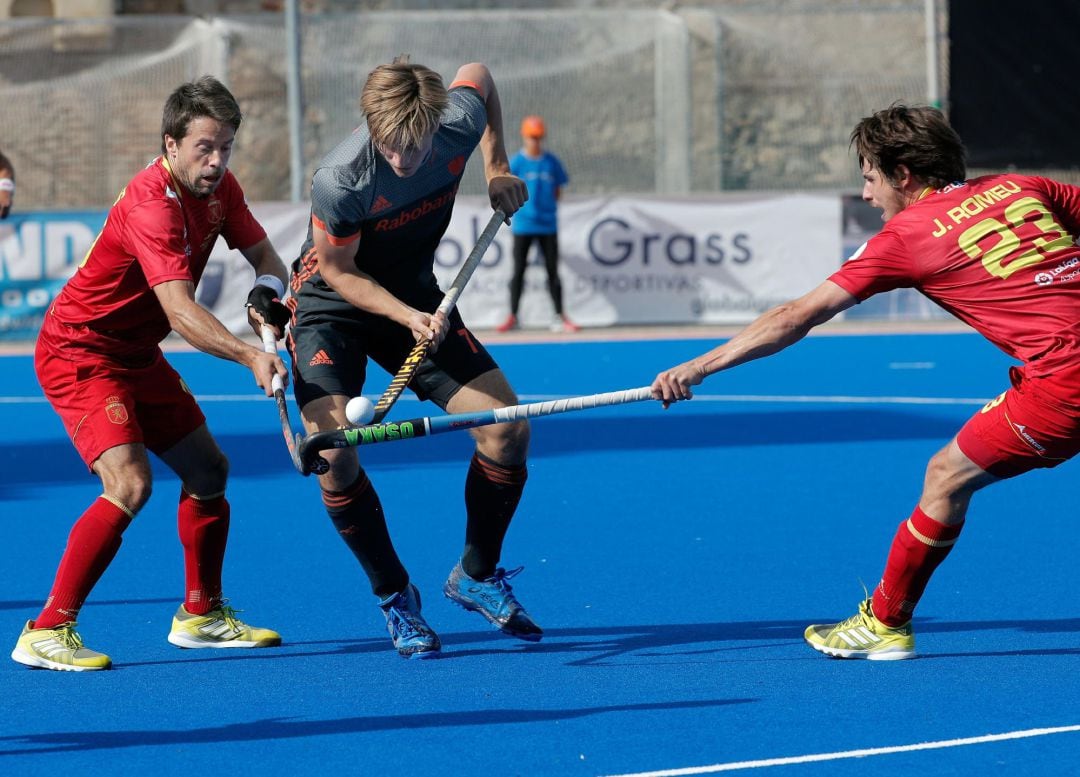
<point x="91" y="545"/>
<point x="204" y="530"/>
<point x="920" y="544"/>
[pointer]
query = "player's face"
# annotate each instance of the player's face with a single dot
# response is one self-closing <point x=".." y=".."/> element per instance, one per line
<point x="199" y="159"/>
<point x="405" y="161"/>
<point x="879" y="192"/>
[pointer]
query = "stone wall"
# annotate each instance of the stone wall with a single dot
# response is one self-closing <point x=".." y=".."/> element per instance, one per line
<point x="774" y="89"/>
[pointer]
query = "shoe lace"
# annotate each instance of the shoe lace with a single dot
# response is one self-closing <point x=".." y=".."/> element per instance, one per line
<point x="499" y="580"/>
<point x="402" y="623"/>
<point x="68" y="637"/>
<point x="863" y="617"/>
<point x="502" y="575"/>
<point x="228" y="614"/>
<point x="858" y="619"/>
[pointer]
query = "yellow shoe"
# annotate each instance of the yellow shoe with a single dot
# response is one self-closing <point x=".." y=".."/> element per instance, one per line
<point x="59" y="648"/>
<point x="219" y="628"/>
<point x="862" y="636"/>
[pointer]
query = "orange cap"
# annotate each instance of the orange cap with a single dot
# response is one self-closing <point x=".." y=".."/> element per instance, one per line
<point x="533" y="127"/>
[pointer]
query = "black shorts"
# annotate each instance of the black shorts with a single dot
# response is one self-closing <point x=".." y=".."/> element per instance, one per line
<point x="330" y="357"/>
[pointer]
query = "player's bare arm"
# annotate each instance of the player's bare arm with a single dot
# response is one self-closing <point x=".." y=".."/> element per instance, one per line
<point x="506" y="191"/>
<point x="264" y="304"/>
<point x="338" y="269"/>
<point x="200" y="328"/>
<point x="7" y="186"/>
<point x="770" y="333"/>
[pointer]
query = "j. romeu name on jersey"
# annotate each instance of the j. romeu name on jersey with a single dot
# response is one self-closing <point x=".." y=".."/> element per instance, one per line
<point x="975" y="205"/>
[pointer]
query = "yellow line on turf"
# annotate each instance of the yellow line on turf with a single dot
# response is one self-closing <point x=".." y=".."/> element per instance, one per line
<point x="871" y="751"/>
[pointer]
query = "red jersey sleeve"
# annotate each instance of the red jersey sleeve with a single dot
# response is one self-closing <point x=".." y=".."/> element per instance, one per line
<point x="154" y="235"/>
<point x="241" y="229"/>
<point x="881" y="264"/>
<point x="1064" y="201"/>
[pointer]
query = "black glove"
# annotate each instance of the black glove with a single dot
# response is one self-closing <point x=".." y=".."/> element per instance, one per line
<point x="265" y="301"/>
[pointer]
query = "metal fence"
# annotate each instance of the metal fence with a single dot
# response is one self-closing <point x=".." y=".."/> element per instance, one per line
<point x="751" y="97"/>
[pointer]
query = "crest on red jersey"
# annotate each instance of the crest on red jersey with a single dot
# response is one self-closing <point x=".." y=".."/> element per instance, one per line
<point x="213" y="211"/>
<point x="115" y="410"/>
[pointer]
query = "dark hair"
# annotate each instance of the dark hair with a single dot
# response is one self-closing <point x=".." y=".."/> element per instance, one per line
<point x="205" y="97"/>
<point x="918" y="137"/>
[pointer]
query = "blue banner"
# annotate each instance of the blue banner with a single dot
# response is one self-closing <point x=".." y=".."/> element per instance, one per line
<point x="38" y="253"/>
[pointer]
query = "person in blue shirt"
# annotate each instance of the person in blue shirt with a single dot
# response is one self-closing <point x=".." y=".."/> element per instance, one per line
<point x="537" y="220"/>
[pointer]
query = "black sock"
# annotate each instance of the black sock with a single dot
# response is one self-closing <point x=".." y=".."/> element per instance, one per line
<point x="492" y="493"/>
<point x="358" y="517"/>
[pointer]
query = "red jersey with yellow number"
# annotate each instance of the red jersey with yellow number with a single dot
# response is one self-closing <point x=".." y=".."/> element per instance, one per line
<point x="156" y="231"/>
<point x="1000" y="253"/>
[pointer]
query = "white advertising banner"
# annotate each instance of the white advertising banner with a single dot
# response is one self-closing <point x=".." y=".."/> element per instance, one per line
<point x="653" y="260"/>
<point x="624" y="260"/>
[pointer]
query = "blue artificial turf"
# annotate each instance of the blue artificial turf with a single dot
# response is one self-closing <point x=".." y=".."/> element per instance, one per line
<point x="673" y="558"/>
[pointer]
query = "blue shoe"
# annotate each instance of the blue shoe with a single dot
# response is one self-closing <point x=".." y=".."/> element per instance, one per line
<point x="412" y="637"/>
<point x="494" y="599"/>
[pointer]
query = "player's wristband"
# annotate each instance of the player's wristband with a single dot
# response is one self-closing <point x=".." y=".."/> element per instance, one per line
<point x="8" y="185"/>
<point x="273" y="282"/>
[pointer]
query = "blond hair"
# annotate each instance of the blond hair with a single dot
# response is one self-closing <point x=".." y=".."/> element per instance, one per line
<point x="403" y="104"/>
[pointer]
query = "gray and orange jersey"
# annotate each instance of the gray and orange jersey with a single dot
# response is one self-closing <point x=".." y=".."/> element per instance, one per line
<point x="395" y="223"/>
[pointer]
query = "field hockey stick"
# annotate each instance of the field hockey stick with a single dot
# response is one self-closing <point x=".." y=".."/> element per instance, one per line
<point x="431" y="425"/>
<point x="292" y="442"/>
<point x="420" y="350"/>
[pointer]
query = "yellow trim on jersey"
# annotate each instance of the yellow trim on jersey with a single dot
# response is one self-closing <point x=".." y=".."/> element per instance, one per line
<point x="177" y="188"/>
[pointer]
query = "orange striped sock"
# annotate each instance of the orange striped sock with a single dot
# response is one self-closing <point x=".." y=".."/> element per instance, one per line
<point x="492" y="493"/>
<point x="357" y="514"/>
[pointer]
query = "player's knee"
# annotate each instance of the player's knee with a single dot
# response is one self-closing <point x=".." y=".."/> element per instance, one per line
<point x="130" y="486"/>
<point x="507" y="442"/>
<point x="937" y="471"/>
<point x="520" y="434"/>
<point x="138" y="495"/>
<point x="949" y="474"/>
<point x="218" y="471"/>
<point x="344" y="469"/>
<point x="211" y="478"/>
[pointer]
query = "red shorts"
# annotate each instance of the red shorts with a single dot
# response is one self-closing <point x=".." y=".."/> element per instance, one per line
<point x="103" y="403"/>
<point x="1023" y="429"/>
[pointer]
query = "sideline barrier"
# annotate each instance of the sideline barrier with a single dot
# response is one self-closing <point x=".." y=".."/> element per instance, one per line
<point x="624" y="260"/>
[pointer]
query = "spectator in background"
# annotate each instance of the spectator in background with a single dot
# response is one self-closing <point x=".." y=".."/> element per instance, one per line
<point x="7" y="185"/>
<point x="537" y="221"/>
